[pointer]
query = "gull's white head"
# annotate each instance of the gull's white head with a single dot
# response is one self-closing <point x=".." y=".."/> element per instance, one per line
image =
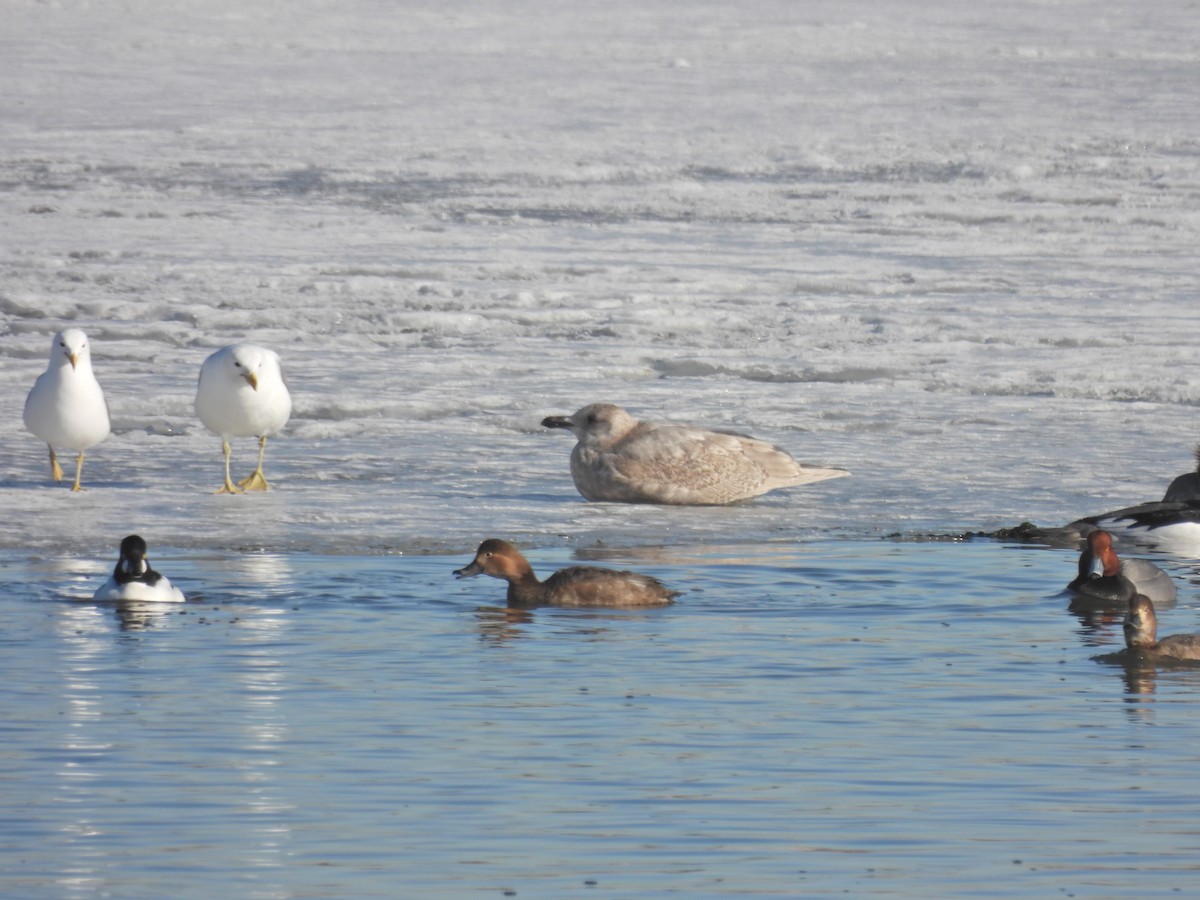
<point x="251" y="363"/>
<point x="70" y="346"/>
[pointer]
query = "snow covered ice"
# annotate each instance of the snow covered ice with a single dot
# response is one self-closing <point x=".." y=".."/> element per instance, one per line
<point x="951" y="249"/>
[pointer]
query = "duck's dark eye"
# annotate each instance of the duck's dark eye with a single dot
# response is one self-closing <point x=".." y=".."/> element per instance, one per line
<point x="591" y="419"/>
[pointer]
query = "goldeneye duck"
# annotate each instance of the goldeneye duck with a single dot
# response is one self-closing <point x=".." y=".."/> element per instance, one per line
<point x="1186" y="486"/>
<point x="133" y="579"/>
<point x="1172" y="525"/>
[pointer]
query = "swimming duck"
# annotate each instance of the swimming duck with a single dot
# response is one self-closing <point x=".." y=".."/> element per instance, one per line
<point x="1141" y="630"/>
<point x="1105" y="579"/>
<point x="618" y="458"/>
<point x="576" y="586"/>
<point x="1170" y="524"/>
<point x="242" y="393"/>
<point x="66" y="406"/>
<point x="1187" y="485"/>
<point x="133" y="579"/>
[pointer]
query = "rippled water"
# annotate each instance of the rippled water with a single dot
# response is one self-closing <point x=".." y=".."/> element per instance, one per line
<point x="836" y="716"/>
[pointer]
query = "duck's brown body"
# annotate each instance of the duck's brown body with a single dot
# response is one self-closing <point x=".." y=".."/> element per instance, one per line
<point x="577" y="586"/>
<point x="1141" y="632"/>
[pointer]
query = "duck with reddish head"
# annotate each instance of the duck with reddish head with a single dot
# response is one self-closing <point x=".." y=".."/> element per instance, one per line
<point x="1105" y="581"/>
<point x="576" y="586"/>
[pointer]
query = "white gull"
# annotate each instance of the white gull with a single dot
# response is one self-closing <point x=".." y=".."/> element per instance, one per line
<point x="621" y="459"/>
<point x="242" y="393"/>
<point x="66" y="407"/>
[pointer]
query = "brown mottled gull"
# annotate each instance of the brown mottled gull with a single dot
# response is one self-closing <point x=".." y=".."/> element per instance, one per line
<point x="621" y="459"/>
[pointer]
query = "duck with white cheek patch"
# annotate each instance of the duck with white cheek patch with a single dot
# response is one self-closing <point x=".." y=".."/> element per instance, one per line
<point x="134" y="580"/>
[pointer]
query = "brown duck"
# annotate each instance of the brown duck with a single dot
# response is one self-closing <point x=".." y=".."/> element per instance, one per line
<point x="576" y="586"/>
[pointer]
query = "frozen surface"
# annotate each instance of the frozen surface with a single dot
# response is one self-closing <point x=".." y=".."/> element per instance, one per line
<point x="952" y="249"/>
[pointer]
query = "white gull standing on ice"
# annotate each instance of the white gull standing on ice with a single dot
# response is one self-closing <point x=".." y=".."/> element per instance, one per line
<point x="242" y="393"/>
<point x="66" y="406"/>
<point x="621" y="459"/>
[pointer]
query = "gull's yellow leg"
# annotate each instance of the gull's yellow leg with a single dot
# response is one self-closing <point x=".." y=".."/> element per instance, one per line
<point x="256" y="480"/>
<point x="56" y="471"/>
<point x="78" y="472"/>
<point x="229" y="487"/>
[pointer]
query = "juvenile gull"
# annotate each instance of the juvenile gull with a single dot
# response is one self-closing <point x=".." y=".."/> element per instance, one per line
<point x="621" y="459"/>
<point x="66" y="406"/>
<point x="133" y="579"/>
<point x="1141" y="633"/>
<point x="242" y="393"/>
<point x="576" y="586"/>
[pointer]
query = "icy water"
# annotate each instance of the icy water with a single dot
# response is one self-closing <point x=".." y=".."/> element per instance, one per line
<point x="869" y="718"/>
<point x="950" y="248"/>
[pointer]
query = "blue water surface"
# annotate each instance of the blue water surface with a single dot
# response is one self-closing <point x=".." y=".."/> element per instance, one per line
<point x="863" y="717"/>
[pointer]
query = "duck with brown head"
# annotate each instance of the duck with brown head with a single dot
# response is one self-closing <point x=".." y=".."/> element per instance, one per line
<point x="1141" y="634"/>
<point x="576" y="586"/>
<point x="1108" y="581"/>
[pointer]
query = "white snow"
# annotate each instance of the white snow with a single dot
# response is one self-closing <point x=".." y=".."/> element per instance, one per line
<point x="950" y="247"/>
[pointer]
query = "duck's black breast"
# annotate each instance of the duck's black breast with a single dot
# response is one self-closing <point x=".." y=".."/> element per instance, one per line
<point x="1109" y="590"/>
<point x="149" y="577"/>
